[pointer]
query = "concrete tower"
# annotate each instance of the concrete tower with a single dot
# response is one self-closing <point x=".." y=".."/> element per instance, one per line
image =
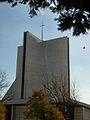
<point x="35" y="59"/>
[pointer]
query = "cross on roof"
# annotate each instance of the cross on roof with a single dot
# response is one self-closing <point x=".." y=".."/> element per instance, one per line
<point x="42" y="31"/>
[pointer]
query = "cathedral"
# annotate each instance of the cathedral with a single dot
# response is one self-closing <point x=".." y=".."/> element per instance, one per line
<point x="36" y="58"/>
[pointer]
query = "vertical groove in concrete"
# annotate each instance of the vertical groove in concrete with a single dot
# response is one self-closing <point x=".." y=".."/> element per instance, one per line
<point x="68" y="68"/>
<point x="23" y="65"/>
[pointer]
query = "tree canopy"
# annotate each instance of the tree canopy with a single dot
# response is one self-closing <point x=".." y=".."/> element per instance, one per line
<point x="72" y="14"/>
<point x="39" y="107"/>
<point x="2" y="111"/>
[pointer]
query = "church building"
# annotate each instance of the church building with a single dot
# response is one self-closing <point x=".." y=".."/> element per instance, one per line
<point x="36" y="58"/>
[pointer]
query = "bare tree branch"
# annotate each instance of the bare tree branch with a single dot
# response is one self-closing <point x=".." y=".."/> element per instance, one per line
<point x="3" y="83"/>
<point x="57" y="91"/>
<point x="75" y="91"/>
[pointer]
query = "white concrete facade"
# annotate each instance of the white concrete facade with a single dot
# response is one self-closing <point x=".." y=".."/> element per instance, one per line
<point x="36" y="58"/>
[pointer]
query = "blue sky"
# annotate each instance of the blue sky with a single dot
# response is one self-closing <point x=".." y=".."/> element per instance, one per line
<point x="14" y="21"/>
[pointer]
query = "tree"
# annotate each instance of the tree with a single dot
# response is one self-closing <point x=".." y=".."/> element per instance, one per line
<point x="74" y="93"/>
<point x="72" y="14"/>
<point x="3" y="84"/>
<point x="57" y="91"/>
<point x="56" y="88"/>
<point x="2" y="111"/>
<point x="39" y="107"/>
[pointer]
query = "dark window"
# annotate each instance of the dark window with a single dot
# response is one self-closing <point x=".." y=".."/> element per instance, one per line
<point x="8" y="114"/>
